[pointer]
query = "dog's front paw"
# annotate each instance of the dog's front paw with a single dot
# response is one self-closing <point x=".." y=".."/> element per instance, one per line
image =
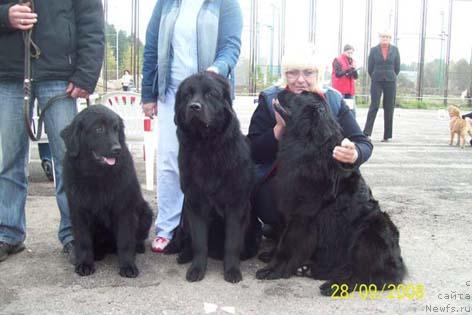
<point x="326" y="288"/>
<point x="84" y="269"/>
<point x="129" y="271"/>
<point x="195" y="273"/>
<point x="331" y="288"/>
<point x="233" y="275"/>
<point x="274" y="272"/>
<point x="267" y="274"/>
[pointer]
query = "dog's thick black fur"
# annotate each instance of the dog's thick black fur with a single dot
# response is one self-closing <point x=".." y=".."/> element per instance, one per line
<point x="332" y="222"/>
<point x="108" y="212"/>
<point x="217" y="178"/>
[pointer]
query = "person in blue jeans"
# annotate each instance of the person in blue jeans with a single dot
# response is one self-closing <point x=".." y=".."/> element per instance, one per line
<point x="69" y="40"/>
<point x="183" y="38"/>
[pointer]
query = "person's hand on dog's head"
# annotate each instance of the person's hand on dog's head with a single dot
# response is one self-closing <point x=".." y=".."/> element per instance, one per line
<point x="280" y="123"/>
<point x="150" y="109"/>
<point x="346" y="152"/>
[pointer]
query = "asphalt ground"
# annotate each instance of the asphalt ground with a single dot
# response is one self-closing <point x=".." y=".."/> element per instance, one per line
<point x="421" y="181"/>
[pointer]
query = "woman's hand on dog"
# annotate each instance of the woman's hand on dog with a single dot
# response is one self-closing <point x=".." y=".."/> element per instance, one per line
<point x="279" y="125"/>
<point x="150" y="109"/>
<point x="346" y="152"/>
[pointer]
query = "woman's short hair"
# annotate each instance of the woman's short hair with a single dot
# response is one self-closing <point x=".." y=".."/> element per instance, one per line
<point x="300" y="56"/>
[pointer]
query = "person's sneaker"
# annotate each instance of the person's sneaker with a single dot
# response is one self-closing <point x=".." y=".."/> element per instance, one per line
<point x="159" y="244"/>
<point x="8" y="249"/>
<point x="69" y="250"/>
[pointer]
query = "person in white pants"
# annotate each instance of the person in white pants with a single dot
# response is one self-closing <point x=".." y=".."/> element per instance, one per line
<point x="171" y="54"/>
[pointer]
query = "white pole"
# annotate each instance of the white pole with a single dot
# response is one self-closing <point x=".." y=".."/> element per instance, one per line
<point x="117" y="59"/>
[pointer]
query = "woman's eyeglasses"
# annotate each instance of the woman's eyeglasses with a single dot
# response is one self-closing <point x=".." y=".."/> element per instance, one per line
<point x="295" y="73"/>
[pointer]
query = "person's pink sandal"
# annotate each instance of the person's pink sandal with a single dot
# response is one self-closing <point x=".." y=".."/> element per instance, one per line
<point x="159" y="244"/>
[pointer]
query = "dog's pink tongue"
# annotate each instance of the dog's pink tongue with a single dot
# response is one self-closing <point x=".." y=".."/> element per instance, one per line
<point x="109" y="161"/>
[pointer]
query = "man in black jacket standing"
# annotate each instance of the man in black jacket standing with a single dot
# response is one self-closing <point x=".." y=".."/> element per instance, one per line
<point x="66" y="58"/>
<point x="383" y="68"/>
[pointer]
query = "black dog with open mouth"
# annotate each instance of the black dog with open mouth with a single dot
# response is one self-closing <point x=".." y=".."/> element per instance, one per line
<point x="216" y="175"/>
<point x="108" y="211"/>
<point x="333" y="224"/>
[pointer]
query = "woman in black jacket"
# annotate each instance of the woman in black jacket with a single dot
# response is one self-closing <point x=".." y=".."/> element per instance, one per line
<point x="67" y="57"/>
<point x="383" y="68"/>
<point x="300" y="73"/>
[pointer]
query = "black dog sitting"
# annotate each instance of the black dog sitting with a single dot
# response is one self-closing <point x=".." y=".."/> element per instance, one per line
<point x="332" y="222"/>
<point x="108" y="212"/>
<point x="216" y="175"/>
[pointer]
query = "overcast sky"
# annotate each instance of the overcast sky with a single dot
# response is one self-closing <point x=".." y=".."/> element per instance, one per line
<point x="354" y="15"/>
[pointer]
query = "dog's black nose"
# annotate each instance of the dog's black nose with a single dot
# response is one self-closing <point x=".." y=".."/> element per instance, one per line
<point x="116" y="149"/>
<point x="195" y="106"/>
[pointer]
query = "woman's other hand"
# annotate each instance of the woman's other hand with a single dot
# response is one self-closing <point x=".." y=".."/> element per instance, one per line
<point x="346" y="152"/>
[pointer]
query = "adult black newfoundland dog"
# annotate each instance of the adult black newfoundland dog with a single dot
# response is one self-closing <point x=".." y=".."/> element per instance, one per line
<point x="216" y="175"/>
<point x="108" y="212"/>
<point x="333" y="223"/>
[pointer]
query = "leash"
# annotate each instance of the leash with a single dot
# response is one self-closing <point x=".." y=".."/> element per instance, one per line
<point x="31" y="45"/>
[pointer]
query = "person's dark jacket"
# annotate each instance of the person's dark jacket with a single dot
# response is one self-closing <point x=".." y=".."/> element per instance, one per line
<point x="384" y="70"/>
<point x="70" y="35"/>
<point x="264" y="145"/>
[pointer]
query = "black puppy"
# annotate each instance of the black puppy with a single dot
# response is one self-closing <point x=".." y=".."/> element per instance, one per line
<point x="216" y="176"/>
<point x="108" y="212"/>
<point x="333" y="223"/>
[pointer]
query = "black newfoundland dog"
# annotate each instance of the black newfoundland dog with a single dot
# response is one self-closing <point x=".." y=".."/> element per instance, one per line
<point x="108" y="212"/>
<point x="216" y="175"/>
<point x="333" y="223"/>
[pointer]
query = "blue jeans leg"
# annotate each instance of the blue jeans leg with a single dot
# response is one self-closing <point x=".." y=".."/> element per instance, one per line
<point x="57" y="117"/>
<point x="169" y="195"/>
<point x="14" y="146"/>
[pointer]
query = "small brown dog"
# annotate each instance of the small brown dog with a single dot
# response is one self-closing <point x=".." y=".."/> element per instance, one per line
<point x="458" y="125"/>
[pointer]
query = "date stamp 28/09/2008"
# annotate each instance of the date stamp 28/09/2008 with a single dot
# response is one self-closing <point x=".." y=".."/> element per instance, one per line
<point x="364" y="291"/>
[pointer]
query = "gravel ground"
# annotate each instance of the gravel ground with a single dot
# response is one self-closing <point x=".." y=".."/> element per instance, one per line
<point x="421" y="181"/>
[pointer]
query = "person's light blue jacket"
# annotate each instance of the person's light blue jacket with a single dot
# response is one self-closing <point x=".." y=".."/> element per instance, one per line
<point x="219" y="26"/>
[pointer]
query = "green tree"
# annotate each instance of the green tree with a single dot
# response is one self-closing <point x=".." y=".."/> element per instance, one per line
<point x="111" y="62"/>
<point x="125" y="43"/>
<point x="459" y="76"/>
<point x="432" y="82"/>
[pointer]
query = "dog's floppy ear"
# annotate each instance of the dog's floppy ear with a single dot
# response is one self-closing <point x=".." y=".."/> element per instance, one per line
<point x="284" y="102"/>
<point x="71" y="136"/>
<point x="230" y="116"/>
<point x="178" y="112"/>
<point x="121" y="132"/>
<point x="224" y="84"/>
<point x="327" y="127"/>
<point x="226" y="91"/>
<point x="285" y="97"/>
<point x="284" y="112"/>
